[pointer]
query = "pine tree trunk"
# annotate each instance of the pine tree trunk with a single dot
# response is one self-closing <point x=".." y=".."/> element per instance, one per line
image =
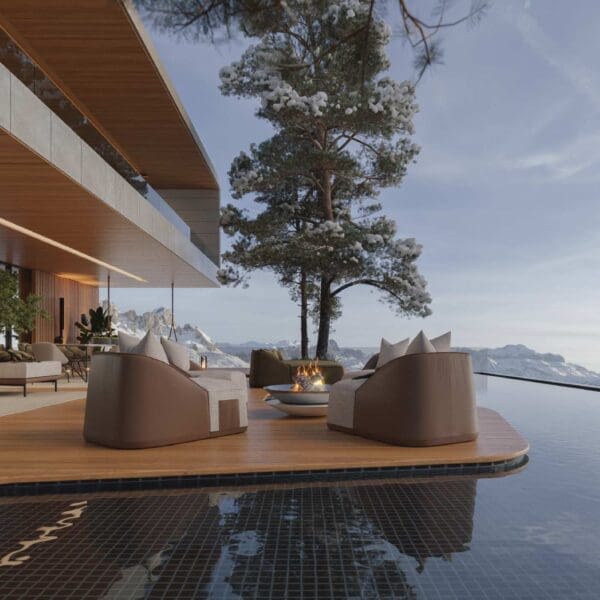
<point x="324" y="318"/>
<point x="303" y="315"/>
<point x="325" y="303"/>
<point x="326" y="199"/>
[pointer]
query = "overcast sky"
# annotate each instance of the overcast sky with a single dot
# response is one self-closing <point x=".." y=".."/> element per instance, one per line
<point x="504" y="197"/>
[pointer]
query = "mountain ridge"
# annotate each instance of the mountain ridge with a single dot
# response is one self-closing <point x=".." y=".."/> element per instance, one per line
<point x="513" y="359"/>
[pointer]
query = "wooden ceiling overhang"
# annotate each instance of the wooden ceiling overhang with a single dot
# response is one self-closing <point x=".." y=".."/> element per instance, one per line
<point x="98" y="53"/>
<point x="40" y="198"/>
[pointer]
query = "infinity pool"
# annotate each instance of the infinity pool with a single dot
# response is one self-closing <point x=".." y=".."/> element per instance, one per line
<point x="531" y="534"/>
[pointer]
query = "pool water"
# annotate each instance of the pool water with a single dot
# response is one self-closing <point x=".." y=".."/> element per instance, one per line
<point x="531" y="534"/>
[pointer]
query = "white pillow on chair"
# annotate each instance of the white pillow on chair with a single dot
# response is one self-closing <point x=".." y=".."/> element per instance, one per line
<point x="127" y="342"/>
<point x="420" y="345"/>
<point x="177" y="354"/>
<point x="150" y="346"/>
<point x="389" y="351"/>
<point x="442" y="342"/>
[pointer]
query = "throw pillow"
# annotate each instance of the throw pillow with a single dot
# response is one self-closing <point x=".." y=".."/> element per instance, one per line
<point x="420" y="345"/>
<point x="127" y="342"/>
<point x="4" y="356"/>
<point x="371" y="363"/>
<point x="18" y="356"/>
<point x="150" y="346"/>
<point x="177" y="354"/>
<point x="389" y="351"/>
<point x="442" y="342"/>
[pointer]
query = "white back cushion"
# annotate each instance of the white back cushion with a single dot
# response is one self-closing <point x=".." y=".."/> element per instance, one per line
<point x="420" y="345"/>
<point x="177" y="354"/>
<point x="442" y="343"/>
<point x="127" y="342"/>
<point x="389" y="351"/>
<point x="150" y="346"/>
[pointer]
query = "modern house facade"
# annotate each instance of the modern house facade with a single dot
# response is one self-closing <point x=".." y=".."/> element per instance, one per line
<point x="101" y="171"/>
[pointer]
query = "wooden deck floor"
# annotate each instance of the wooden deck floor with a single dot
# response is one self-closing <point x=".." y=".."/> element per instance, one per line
<point x="46" y="444"/>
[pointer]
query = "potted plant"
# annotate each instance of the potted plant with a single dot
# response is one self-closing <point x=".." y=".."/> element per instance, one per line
<point x="17" y="315"/>
<point x="97" y="328"/>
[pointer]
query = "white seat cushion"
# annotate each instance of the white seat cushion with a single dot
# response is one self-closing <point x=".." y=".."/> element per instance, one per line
<point x="341" y="402"/>
<point x="25" y="370"/>
<point x="236" y="377"/>
<point x="223" y="389"/>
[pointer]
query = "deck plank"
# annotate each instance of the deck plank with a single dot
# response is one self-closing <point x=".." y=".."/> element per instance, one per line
<point x="46" y="444"/>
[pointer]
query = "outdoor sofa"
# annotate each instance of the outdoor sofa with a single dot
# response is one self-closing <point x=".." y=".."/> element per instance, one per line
<point x="137" y="401"/>
<point x="268" y="367"/>
<point x="420" y="399"/>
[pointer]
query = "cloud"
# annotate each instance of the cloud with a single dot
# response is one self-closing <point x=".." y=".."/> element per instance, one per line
<point x="573" y="69"/>
<point x="566" y="160"/>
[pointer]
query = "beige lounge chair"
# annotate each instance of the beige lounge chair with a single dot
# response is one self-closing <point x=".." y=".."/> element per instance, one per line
<point x="44" y="351"/>
<point x="134" y="401"/>
<point x="414" y="400"/>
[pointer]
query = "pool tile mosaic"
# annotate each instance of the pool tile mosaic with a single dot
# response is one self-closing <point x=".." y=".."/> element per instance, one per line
<point x="382" y="539"/>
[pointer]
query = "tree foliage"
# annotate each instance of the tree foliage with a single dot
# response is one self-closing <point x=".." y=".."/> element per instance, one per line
<point x="343" y="133"/>
<point x="17" y="314"/>
<point x="420" y="23"/>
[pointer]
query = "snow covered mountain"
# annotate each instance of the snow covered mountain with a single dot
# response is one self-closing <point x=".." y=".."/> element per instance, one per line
<point x="159" y="322"/>
<point x="515" y="359"/>
<point x="520" y="361"/>
<point x="353" y="359"/>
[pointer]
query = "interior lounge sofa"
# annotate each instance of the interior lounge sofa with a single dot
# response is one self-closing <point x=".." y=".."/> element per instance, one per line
<point x="136" y="401"/>
<point x="21" y="374"/>
<point x="20" y="368"/>
<point x="268" y="367"/>
<point x="419" y="399"/>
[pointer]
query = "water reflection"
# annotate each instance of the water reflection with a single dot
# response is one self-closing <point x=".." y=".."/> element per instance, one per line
<point x="351" y="540"/>
<point x="47" y="533"/>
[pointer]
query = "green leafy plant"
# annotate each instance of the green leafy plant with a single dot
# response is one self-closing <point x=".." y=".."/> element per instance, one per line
<point x="97" y="325"/>
<point x="18" y="314"/>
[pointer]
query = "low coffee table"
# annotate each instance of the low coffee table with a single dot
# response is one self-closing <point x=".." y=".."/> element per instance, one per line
<point x="309" y="403"/>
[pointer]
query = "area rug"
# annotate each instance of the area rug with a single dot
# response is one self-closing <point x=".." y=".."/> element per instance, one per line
<point x="38" y="396"/>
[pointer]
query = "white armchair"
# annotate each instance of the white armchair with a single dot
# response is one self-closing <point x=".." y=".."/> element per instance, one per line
<point x="44" y="351"/>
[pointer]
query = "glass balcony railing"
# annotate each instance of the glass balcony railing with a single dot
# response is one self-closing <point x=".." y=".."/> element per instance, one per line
<point x="22" y="67"/>
<point x="166" y="210"/>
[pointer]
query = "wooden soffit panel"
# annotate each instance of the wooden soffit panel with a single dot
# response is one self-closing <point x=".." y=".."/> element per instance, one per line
<point x="99" y="54"/>
<point x="40" y="198"/>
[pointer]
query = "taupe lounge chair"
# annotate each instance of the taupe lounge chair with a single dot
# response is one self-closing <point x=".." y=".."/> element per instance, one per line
<point x="268" y="367"/>
<point x="414" y="400"/>
<point x="134" y="401"/>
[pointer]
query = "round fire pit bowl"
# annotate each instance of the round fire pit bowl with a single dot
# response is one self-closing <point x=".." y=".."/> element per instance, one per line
<point x="286" y="395"/>
<point x="298" y="410"/>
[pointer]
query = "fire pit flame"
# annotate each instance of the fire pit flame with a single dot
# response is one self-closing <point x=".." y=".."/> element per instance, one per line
<point x="308" y="378"/>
